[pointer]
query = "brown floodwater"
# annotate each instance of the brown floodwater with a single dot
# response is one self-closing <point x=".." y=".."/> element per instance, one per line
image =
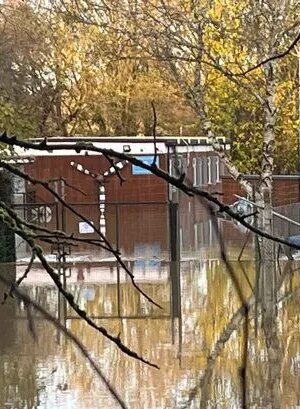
<point x="49" y="372"/>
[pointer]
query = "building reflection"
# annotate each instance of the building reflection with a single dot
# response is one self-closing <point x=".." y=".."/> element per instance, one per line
<point x="57" y="373"/>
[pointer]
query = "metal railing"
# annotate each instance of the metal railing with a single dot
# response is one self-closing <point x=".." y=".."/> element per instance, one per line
<point x="286" y="218"/>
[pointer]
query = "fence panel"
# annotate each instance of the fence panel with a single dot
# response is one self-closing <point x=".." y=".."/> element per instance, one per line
<point x="285" y="228"/>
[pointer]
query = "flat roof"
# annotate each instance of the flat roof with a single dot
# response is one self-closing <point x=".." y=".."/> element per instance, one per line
<point x="138" y="145"/>
<point x="168" y="140"/>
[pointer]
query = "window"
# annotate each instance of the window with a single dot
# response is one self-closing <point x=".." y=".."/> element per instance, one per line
<point x="209" y="170"/>
<point x="213" y="169"/>
<point x="194" y="172"/>
<point x="148" y="160"/>
<point x="199" y="171"/>
<point x="206" y="170"/>
<point x="204" y="167"/>
<point x="184" y="165"/>
<point x="217" y="169"/>
<point x="221" y="169"/>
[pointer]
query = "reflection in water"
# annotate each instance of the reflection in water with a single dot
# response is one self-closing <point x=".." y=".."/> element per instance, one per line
<point x="48" y="374"/>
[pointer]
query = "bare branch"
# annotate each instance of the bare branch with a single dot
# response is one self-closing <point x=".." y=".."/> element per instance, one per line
<point x="68" y="185"/>
<point x="184" y="187"/>
<point x="57" y="235"/>
<point x="19" y="281"/>
<point x="116" y="169"/>
<point x="272" y="58"/>
<point x="68" y="334"/>
<point x="154" y="133"/>
<point x="14" y="225"/>
<point x="78" y="214"/>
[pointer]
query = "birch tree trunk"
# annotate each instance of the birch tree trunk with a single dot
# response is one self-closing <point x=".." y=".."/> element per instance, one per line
<point x="267" y="164"/>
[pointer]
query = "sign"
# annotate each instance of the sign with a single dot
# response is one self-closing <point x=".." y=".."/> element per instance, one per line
<point x="148" y="160"/>
<point x="41" y="214"/>
<point x="85" y="228"/>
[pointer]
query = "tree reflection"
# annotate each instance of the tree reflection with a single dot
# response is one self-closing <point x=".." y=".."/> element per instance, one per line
<point x="18" y="380"/>
<point x="211" y="327"/>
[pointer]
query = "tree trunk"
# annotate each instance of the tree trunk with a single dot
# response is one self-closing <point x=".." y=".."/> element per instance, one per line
<point x="221" y="152"/>
<point x="267" y="164"/>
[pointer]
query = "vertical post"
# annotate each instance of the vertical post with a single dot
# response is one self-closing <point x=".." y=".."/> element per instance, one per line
<point x="117" y="216"/>
<point x="298" y="56"/>
<point x="56" y="214"/>
<point x="102" y="201"/>
<point x="62" y="304"/>
<point x="61" y="257"/>
<point x="62" y="187"/>
<point x="268" y="294"/>
<point x="175" y="260"/>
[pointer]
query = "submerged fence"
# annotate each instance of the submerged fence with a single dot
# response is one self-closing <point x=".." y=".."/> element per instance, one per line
<point x="286" y="228"/>
<point x="145" y="234"/>
<point x="138" y="230"/>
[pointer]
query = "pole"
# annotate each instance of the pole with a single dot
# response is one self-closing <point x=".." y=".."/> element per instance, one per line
<point x="117" y="218"/>
<point x="175" y="259"/>
<point x="298" y="56"/>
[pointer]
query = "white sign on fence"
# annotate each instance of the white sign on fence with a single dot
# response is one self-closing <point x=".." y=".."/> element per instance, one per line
<point x="85" y="228"/>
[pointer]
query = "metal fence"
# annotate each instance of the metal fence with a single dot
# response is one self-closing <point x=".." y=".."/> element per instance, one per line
<point x="286" y="228"/>
<point x="41" y="215"/>
<point x="140" y="231"/>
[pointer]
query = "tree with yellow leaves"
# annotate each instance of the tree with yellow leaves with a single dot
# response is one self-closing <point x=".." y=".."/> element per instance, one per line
<point x="78" y="81"/>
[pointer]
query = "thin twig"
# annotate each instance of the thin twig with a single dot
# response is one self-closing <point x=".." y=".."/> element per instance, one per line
<point x="24" y="275"/>
<point x="117" y="170"/>
<point x="54" y="233"/>
<point x="115" y="253"/>
<point x="154" y="133"/>
<point x="178" y="183"/>
<point x="68" y="184"/>
<point x="13" y="225"/>
<point x="272" y="58"/>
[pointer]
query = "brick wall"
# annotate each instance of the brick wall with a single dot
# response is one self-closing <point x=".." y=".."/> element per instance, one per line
<point x="136" y="188"/>
<point x="230" y="187"/>
<point x="286" y="189"/>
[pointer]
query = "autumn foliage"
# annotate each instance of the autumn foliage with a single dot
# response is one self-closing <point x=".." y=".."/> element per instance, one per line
<point x="77" y="69"/>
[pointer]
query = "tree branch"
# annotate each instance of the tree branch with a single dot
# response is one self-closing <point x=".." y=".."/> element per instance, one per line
<point x="78" y="214"/>
<point x="272" y="58"/>
<point x="154" y="133"/>
<point x="14" y="226"/>
<point x="183" y="186"/>
<point x="68" y="334"/>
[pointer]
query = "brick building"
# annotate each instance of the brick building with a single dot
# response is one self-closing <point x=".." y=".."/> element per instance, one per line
<point x="138" y="208"/>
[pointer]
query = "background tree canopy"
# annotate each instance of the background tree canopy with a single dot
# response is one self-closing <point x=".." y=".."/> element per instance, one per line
<point x="77" y="69"/>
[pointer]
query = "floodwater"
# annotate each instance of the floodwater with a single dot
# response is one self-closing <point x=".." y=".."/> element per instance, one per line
<point x="50" y="372"/>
